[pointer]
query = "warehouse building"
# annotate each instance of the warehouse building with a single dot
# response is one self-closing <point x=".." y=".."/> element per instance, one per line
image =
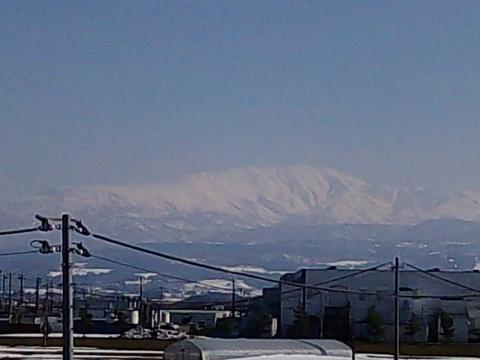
<point x="361" y="305"/>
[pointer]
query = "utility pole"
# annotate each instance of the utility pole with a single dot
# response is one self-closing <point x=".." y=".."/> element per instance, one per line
<point x="140" y="306"/>
<point x="353" y="330"/>
<point x="4" y="283"/>
<point x="37" y="294"/>
<point x="396" y="354"/>
<point x="304" y="299"/>
<point x="9" y="293"/>
<point x="234" y="298"/>
<point x="67" y="299"/>
<point x="46" y="325"/>
<point x="20" y="295"/>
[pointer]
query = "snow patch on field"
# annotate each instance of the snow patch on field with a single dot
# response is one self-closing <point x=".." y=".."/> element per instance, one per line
<point x="82" y="272"/>
<point x="146" y="275"/>
<point x="347" y="263"/>
<point x="253" y="269"/>
<point x="137" y="282"/>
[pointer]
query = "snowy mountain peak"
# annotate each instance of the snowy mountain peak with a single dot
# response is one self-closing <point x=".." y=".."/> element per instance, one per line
<point x="254" y="197"/>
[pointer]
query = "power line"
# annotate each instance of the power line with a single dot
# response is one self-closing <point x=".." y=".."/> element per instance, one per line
<point x="19" y="253"/>
<point x="218" y="268"/>
<point x="347" y="276"/>
<point x="19" y="231"/>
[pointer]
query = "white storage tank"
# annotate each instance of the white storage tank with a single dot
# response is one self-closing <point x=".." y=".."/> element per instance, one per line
<point x="227" y="349"/>
<point x="134" y="317"/>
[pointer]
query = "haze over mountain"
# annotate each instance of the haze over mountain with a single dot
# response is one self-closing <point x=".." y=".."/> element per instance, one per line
<point x="249" y="198"/>
<point x="274" y="218"/>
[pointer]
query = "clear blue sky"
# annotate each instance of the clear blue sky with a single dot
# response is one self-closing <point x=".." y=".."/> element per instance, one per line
<point x="143" y="91"/>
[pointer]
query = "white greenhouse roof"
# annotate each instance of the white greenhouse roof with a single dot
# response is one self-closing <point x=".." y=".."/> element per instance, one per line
<point x="225" y="349"/>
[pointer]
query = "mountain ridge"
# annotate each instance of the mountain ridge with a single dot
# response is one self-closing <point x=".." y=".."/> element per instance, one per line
<point x="254" y="197"/>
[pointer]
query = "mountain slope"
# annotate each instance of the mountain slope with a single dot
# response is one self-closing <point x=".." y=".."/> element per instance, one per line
<point x="247" y="198"/>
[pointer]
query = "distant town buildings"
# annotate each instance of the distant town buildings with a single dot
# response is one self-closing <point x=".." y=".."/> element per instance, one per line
<point x="329" y="303"/>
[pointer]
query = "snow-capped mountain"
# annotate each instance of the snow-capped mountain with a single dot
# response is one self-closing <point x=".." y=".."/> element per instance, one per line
<point x="275" y="219"/>
<point x="247" y="198"/>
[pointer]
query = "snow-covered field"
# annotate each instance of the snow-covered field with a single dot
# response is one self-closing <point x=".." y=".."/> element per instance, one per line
<point x="382" y="357"/>
<point x="359" y="357"/>
<point x="53" y="353"/>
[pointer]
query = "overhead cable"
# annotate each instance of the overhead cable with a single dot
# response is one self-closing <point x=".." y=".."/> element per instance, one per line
<point x="19" y="253"/>
<point x="19" y="231"/>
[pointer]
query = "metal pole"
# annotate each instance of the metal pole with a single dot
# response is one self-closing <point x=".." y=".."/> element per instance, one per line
<point x="46" y="314"/>
<point x="234" y="298"/>
<point x="20" y="297"/>
<point x="354" y="329"/>
<point x="304" y="299"/>
<point x="140" y="306"/>
<point x="37" y="295"/>
<point x="4" y="291"/>
<point x="396" y="354"/>
<point x="67" y="299"/>
<point x="9" y="293"/>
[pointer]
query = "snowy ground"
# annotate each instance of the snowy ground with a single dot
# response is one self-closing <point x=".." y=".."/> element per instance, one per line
<point x="53" y="353"/>
<point x="357" y="357"/>
<point x="388" y="357"/>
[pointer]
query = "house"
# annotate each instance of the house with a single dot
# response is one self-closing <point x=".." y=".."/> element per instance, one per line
<point x="200" y="319"/>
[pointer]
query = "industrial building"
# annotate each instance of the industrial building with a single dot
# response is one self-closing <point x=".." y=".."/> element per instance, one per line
<point x="360" y="305"/>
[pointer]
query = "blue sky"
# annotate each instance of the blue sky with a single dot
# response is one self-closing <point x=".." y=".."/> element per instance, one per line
<point x="146" y="91"/>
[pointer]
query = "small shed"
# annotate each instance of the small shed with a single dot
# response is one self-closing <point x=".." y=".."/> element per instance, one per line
<point x="226" y="349"/>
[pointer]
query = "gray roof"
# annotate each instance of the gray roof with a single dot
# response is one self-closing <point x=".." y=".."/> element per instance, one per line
<point x="222" y="349"/>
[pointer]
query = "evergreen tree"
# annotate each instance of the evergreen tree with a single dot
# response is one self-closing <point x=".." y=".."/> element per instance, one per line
<point x="375" y="324"/>
<point x="85" y="319"/>
<point x="85" y="316"/>
<point x="446" y="323"/>
<point x="413" y="326"/>
<point x="300" y="324"/>
<point x="227" y="327"/>
<point x="262" y="324"/>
